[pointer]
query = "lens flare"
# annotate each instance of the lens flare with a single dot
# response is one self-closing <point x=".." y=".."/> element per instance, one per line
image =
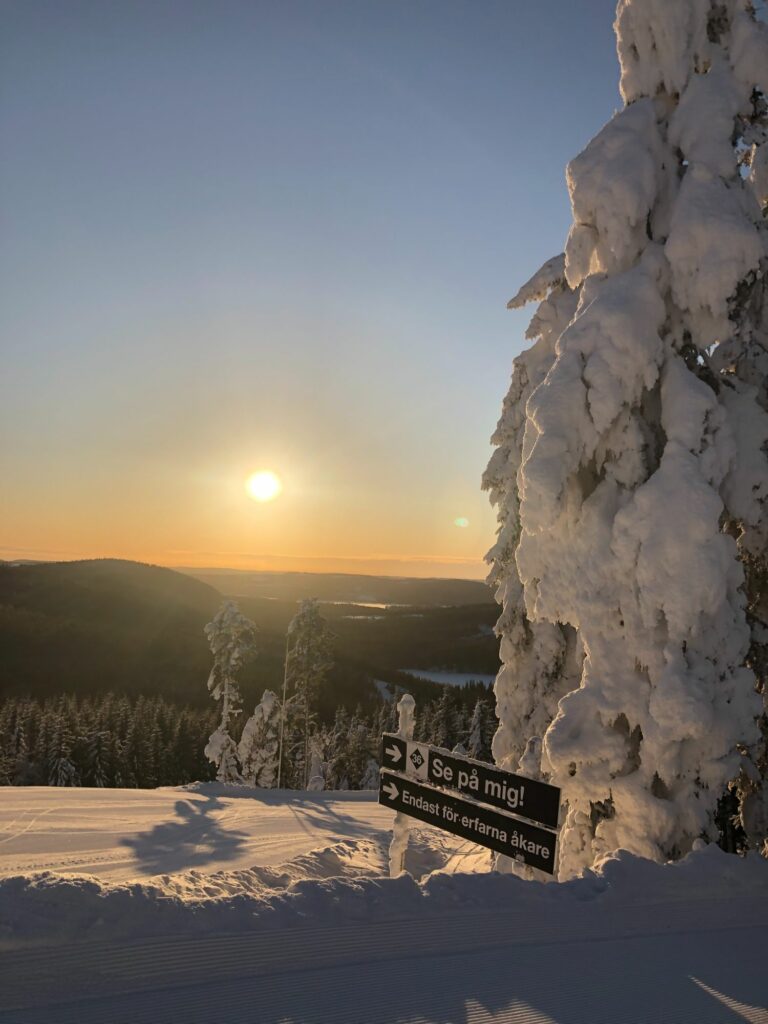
<point x="462" y="522"/>
<point x="264" y="485"/>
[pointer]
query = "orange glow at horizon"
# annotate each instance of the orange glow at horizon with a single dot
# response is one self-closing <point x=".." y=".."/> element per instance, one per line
<point x="197" y="513"/>
<point x="437" y="566"/>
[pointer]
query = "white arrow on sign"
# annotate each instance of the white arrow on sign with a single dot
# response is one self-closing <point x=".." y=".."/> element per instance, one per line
<point x="391" y="790"/>
<point x="395" y="753"/>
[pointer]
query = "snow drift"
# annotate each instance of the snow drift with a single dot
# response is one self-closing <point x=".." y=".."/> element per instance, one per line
<point x="338" y="883"/>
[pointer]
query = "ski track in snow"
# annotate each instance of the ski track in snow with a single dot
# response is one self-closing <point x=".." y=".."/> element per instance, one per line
<point x="22" y="831"/>
<point x="317" y="934"/>
<point x="462" y="967"/>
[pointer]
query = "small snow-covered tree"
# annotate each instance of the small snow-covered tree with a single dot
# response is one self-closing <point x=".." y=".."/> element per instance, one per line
<point x="232" y="639"/>
<point x="443" y="720"/>
<point x="316" y="782"/>
<point x="338" y="742"/>
<point x="61" y="767"/>
<point x="481" y="729"/>
<point x="370" y="779"/>
<point x="630" y="472"/>
<point x="349" y="746"/>
<point x="98" y="767"/>
<point x="258" y="745"/>
<point x="359" y="752"/>
<point x="7" y="764"/>
<point x="386" y="719"/>
<point x="308" y="658"/>
<point x="298" y="723"/>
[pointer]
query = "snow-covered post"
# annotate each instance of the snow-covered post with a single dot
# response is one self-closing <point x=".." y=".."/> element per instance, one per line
<point x="630" y="474"/>
<point x="232" y="638"/>
<point x="402" y="824"/>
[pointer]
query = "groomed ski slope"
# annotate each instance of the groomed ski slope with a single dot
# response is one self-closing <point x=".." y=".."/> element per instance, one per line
<point x="214" y="905"/>
<point x="119" y="834"/>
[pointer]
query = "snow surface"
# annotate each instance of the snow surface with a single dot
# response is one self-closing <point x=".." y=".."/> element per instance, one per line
<point x="277" y="907"/>
<point x="123" y="834"/>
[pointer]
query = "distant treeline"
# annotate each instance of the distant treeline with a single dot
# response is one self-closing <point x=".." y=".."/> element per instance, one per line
<point x="117" y="741"/>
<point x="109" y="740"/>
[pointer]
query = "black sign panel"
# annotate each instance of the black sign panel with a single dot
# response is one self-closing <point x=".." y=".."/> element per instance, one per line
<point x="537" y="801"/>
<point x="499" y="832"/>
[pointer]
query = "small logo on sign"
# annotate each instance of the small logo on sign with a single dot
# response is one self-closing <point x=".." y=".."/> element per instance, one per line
<point x="417" y="759"/>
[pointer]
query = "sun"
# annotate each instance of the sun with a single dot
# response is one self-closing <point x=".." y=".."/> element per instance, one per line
<point x="264" y="485"/>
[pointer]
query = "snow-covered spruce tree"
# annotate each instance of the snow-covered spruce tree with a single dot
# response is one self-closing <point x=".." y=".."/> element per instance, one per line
<point x="337" y="748"/>
<point x="61" y="768"/>
<point x="297" y="723"/>
<point x="316" y="783"/>
<point x="258" y="746"/>
<point x="359" y="751"/>
<point x="481" y="729"/>
<point x="370" y="778"/>
<point x="444" y="720"/>
<point x="7" y="764"/>
<point x="232" y="639"/>
<point x="630" y="473"/>
<point x="98" y="768"/>
<point x="308" y="658"/>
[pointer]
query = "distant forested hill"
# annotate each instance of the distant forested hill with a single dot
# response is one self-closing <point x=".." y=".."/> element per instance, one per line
<point x="92" y="627"/>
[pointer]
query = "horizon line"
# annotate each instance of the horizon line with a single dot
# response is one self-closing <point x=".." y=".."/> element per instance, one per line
<point x="408" y="567"/>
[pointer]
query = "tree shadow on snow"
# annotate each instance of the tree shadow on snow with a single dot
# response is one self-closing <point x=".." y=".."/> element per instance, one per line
<point x="319" y="815"/>
<point x="322" y="811"/>
<point x="193" y="840"/>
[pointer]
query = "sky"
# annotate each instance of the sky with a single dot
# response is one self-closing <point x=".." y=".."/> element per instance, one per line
<point x="239" y="235"/>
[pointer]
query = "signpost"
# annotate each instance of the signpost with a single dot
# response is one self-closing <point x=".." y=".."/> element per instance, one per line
<point x="527" y="798"/>
<point x="470" y="820"/>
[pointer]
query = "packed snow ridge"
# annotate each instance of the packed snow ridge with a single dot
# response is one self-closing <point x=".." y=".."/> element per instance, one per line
<point x="343" y="881"/>
<point x="630" y="472"/>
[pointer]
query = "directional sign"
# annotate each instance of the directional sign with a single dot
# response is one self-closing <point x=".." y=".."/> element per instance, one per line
<point x="484" y="782"/>
<point x="500" y="832"/>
